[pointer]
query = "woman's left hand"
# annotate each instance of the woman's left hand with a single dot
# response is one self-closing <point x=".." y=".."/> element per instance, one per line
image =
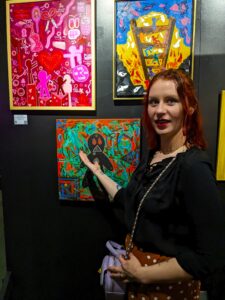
<point x="130" y="269"/>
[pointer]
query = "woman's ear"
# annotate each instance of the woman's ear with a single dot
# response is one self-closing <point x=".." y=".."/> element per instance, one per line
<point x="191" y="110"/>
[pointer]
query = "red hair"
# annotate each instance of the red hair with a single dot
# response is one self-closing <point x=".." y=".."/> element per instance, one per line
<point x="192" y="123"/>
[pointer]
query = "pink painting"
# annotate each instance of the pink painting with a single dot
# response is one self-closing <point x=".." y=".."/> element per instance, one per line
<point x="51" y="54"/>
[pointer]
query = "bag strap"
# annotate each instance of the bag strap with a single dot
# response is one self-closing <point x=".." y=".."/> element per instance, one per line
<point x="129" y="247"/>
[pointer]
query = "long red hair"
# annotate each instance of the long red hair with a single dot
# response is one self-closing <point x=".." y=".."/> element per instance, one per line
<point x="192" y="123"/>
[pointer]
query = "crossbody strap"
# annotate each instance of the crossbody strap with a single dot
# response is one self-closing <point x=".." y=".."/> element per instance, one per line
<point x="129" y="247"/>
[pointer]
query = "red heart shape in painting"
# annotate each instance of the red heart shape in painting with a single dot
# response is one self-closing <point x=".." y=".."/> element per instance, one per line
<point x="50" y="60"/>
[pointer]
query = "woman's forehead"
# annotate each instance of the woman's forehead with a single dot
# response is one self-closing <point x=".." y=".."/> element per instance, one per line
<point x="162" y="86"/>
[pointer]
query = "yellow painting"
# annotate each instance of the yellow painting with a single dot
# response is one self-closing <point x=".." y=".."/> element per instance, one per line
<point x="220" y="170"/>
<point x="148" y="38"/>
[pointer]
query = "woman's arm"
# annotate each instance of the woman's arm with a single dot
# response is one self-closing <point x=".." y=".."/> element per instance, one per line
<point x="111" y="186"/>
<point x="167" y="271"/>
<point x="204" y="209"/>
<point x="131" y="270"/>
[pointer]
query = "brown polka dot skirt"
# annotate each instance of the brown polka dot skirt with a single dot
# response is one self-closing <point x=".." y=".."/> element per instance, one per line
<point x="181" y="290"/>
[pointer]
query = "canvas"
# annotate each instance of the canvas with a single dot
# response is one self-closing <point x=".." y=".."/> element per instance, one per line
<point x="51" y="54"/>
<point x="150" y="36"/>
<point x="115" y="144"/>
<point x="220" y="169"/>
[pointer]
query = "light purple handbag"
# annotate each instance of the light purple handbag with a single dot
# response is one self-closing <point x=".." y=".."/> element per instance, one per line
<point x="114" y="289"/>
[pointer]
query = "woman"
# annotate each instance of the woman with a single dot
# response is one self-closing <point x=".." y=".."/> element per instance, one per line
<point x="179" y="236"/>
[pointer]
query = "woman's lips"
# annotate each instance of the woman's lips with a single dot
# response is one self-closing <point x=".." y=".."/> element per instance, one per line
<point x="161" y="124"/>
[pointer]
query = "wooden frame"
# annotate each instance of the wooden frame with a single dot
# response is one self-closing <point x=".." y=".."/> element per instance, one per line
<point x="150" y="36"/>
<point x="220" y="168"/>
<point x="51" y="54"/>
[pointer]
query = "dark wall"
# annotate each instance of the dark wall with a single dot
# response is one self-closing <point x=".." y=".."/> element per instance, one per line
<point x="55" y="250"/>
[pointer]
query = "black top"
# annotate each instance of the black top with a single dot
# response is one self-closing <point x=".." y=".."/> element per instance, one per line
<point x="183" y="215"/>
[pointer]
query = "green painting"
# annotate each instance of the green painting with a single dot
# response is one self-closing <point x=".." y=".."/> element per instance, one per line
<point x="114" y="143"/>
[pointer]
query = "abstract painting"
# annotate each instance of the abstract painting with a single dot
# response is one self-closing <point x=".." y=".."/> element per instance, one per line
<point x="150" y="36"/>
<point x="220" y="169"/>
<point x="51" y="54"/>
<point x="114" y="143"/>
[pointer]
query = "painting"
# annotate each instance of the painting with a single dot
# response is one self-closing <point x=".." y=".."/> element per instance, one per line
<point x="51" y="54"/>
<point x="150" y="36"/>
<point x="113" y="143"/>
<point x="220" y="169"/>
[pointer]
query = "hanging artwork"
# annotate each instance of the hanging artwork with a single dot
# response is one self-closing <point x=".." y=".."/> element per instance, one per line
<point x="51" y="54"/>
<point x="115" y="144"/>
<point x="220" y="169"/>
<point x="150" y="36"/>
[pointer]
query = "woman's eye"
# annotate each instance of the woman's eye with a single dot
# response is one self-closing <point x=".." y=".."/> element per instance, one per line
<point x="153" y="102"/>
<point x="171" y="101"/>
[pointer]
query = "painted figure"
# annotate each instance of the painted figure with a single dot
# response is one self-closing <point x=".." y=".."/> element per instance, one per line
<point x="34" y="38"/>
<point x="30" y="65"/>
<point x="67" y="86"/>
<point x="42" y="86"/>
<point x="96" y="144"/>
<point x="60" y="82"/>
<point x="74" y="52"/>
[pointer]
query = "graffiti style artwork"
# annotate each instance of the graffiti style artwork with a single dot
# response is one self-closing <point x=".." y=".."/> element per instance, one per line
<point x="51" y="54"/>
<point x="150" y="36"/>
<point x="220" y="169"/>
<point x="114" y="144"/>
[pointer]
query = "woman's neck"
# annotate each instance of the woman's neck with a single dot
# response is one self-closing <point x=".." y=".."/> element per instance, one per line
<point x="172" y="149"/>
<point x="164" y="154"/>
<point x="176" y="144"/>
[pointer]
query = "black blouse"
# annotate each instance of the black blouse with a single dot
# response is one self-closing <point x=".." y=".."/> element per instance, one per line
<point x="182" y="216"/>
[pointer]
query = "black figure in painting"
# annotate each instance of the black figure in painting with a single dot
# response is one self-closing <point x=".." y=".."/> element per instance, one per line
<point x="96" y="145"/>
<point x="179" y="237"/>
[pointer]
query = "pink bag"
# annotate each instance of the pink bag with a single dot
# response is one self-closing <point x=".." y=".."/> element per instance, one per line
<point x="114" y="289"/>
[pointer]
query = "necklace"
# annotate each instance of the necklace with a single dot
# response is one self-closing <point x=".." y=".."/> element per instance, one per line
<point x="159" y="155"/>
<point x="180" y="149"/>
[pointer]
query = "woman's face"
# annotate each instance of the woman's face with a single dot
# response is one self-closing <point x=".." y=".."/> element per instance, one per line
<point x="165" y="109"/>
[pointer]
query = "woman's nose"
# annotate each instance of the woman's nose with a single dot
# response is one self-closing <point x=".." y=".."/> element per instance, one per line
<point x="160" y="109"/>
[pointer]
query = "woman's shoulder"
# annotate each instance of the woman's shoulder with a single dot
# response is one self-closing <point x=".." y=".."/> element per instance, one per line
<point x="146" y="156"/>
<point x="194" y="158"/>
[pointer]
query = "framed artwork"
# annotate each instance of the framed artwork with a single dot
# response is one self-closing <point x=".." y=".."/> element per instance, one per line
<point x="220" y="169"/>
<point x="51" y="54"/>
<point x="150" y="36"/>
<point x="115" y="144"/>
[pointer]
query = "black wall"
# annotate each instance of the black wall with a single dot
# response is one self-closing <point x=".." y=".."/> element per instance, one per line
<point x="55" y="250"/>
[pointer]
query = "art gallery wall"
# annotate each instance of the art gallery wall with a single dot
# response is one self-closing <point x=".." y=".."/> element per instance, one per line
<point x="54" y="250"/>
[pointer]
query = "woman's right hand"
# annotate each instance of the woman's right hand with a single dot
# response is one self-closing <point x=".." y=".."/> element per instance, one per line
<point x="94" y="167"/>
<point x="110" y="185"/>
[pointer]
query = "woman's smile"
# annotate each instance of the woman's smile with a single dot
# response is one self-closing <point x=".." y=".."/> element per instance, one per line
<point x="162" y="123"/>
<point x="165" y="109"/>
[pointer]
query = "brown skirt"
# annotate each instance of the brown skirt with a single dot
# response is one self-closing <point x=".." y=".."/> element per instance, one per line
<point x="180" y="290"/>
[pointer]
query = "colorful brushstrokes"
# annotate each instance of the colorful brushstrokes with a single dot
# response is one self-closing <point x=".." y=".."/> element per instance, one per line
<point x="220" y="169"/>
<point x="51" y="54"/>
<point x="150" y="36"/>
<point x="115" y="144"/>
